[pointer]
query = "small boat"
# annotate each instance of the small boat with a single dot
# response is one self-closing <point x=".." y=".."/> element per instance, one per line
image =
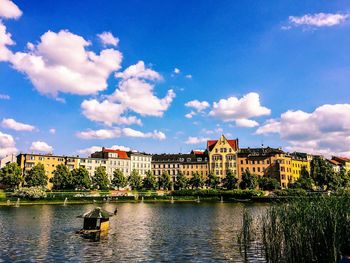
<point x="96" y="223"/>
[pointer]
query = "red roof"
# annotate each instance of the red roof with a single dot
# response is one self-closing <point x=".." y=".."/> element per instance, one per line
<point x="212" y="143"/>
<point x="121" y="154"/>
<point x="334" y="162"/>
<point x="341" y="159"/>
<point x="197" y="152"/>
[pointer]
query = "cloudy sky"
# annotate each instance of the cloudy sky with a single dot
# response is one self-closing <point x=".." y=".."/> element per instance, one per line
<point x="164" y="76"/>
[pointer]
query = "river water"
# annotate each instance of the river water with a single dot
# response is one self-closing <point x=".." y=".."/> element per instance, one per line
<point x="140" y="232"/>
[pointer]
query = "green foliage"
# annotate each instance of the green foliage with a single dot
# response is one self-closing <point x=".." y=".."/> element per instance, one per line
<point x="100" y="179"/>
<point x="119" y="180"/>
<point x="304" y="230"/>
<point x="291" y="192"/>
<point x="30" y="192"/>
<point x="36" y="176"/>
<point x="249" y="181"/>
<point x="150" y="181"/>
<point x="11" y="175"/>
<point x="135" y="180"/>
<point x="165" y="181"/>
<point x="197" y="181"/>
<point x="236" y="193"/>
<point x="81" y="178"/>
<point x="212" y="181"/>
<point x="62" y="178"/>
<point x="181" y="181"/>
<point x="268" y="183"/>
<point x="322" y="173"/>
<point x="230" y="181"/>
<point x="303" y="183"/>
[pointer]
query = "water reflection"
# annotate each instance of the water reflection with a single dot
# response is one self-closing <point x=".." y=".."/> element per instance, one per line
<point x="147" y="232"/>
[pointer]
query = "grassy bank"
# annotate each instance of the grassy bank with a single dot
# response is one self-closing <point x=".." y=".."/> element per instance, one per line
<point x="302" y="230"/>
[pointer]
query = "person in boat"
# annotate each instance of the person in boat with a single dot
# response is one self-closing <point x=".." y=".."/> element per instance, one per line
<point x="115" y="211"/>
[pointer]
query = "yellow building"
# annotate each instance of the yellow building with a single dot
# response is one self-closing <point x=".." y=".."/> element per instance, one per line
<point x="222" y="156"/>
<point x="50" y="162"/>
<point x="196" y="162"/>
<point x="299" y="160"/>
<point x="343" y="161"/>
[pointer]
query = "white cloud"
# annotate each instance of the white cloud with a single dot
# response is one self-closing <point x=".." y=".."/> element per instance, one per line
<point x="117" y="132"/>
<point x="325" y="130"/>
<point x="100" y="134"/>
<point x="52" y="131"/>
<point x="177" y="71"/>
<point x="246" y="123"/>
<point x="138" y="134"/>
<point x="5" y="40"/>
<point x="7" y="145"/>
<point x="188" y="76"/>
<point x="17" y="126"/>
<point x="120" y="147"/>
<point x="318" y="20"/>
<point x="190" y="115"/>
<point x="196" y="140"/>
<point x="8" y="9"/>
<point x="138" y="95"/>
<point x="270" y="126"/>
<point x="107" y="112"/>
<point x="61" y="63"/>
<point x="40" y="146"/>
<point x="197" y="105"/>
<point x="92" y="149"/>
<point x="239" y="110"/>
<point x="107" y="38"/>
<point x="4" y="97"/>
<point x="140" y="71"/>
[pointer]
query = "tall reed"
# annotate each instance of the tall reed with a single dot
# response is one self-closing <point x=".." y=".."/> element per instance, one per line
<point x="303" y="230"/>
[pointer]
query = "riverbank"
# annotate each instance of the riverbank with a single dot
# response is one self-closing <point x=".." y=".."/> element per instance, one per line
<point x="187" y="196"/>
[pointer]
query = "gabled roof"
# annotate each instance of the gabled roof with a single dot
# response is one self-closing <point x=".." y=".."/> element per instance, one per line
<point x="97" y="213"/>
<point x="333" y="162"/>
<point x="340" y="159"/>
<point x="233" y="143"/>
<point x="121" y="154"/>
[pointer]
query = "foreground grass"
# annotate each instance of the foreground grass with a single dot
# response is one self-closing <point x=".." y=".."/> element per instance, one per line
<point x="304" y="230"/>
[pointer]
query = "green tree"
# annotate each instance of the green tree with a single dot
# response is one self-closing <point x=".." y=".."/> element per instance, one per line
<point x="135" y="180"/>
<point x="150" y="181"/>
<point x="119" y="180"/>
<point x="181" y="181"/>
<point x="268" y="183"/>
<point x="11" y="175"/>
<point x="165" y="181"/>
<point x="100" y="179"/>
<point x="344" y="178"/>
<point x="197" y="180"/>
<point x="304" y="181"/>
<point x="322" y="173"/>
<point x="36" y="176"/>
<point x="81" y="178"/>
<point x="62" y="178"/>
<point x="230" y="181"/>
<point x="249" y="181"/>
<point x="212" y="181"/>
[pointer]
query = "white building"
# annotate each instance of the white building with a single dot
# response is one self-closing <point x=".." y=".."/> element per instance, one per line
<point x="7" y="160"/>
<point x="141" y="162"/>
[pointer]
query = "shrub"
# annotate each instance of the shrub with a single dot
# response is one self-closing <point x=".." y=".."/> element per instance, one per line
<point x="30" y="193"/>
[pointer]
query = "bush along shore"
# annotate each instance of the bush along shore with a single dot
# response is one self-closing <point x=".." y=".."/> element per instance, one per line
<point x="37" y="195"/>
<point x="302" y="230"/>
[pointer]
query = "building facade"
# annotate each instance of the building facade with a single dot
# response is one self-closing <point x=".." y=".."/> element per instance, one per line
<point x="110" y="159"/>
<point x="141" y="162"/>
<point x="7" y="160"/>
<point x="222" y="156"/>
<point x="27" y="160"/>
<point x="343" y="161"/>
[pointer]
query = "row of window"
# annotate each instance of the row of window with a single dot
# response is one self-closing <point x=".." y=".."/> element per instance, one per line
<point x="223" y="150"/>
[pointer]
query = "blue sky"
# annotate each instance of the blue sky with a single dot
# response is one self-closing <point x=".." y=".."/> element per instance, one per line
<point x="272" y="72"/>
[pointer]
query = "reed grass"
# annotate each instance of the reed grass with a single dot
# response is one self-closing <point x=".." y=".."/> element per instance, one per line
<point x="302" y="230"/>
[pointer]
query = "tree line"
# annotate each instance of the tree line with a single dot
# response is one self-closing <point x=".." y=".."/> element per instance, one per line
<point x="321" y="176"/>
<point x="78" y="178"/>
